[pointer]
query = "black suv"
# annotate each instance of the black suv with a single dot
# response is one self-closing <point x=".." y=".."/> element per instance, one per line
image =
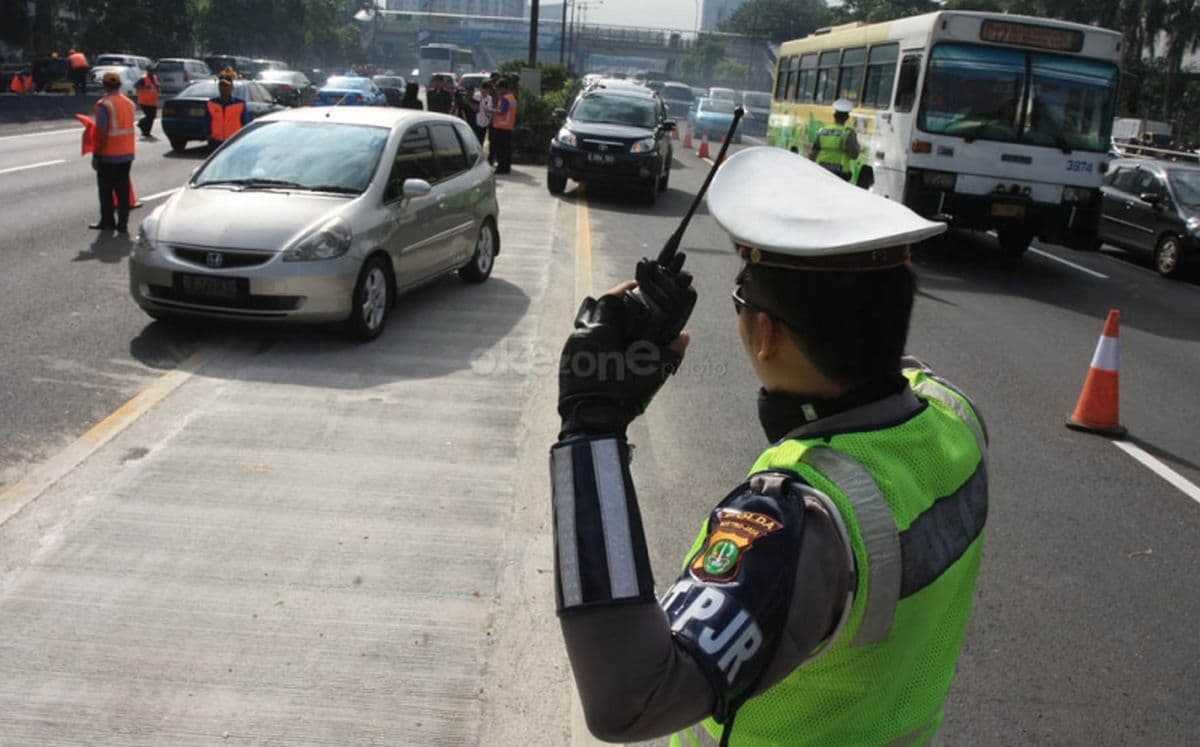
<point x="1153" y="207"/>
<point x="613" y="135"/>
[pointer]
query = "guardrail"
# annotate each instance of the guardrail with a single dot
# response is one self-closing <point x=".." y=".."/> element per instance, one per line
<point x="1134" y="150"/>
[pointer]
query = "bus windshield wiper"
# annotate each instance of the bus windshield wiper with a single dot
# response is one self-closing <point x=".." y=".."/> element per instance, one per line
<point x="1061" y="141"/>
<point x="973" y="134"/>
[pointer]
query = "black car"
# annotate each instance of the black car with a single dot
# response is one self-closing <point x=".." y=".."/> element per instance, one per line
<point x="1153" y="207"/>
<point x="392" y="87"/>
<point x="185" y="117"/>
<point x="619" y="135"/>
<point x="289" y="87"/>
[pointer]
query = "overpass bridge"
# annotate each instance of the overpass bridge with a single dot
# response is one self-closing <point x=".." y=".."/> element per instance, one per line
<point x="395" y="36"/>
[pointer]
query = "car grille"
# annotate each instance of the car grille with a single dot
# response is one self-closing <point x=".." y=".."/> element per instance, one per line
<point x="167" y="294"/>
<point x="229" y="258"/>
<point x="603" y="146"/>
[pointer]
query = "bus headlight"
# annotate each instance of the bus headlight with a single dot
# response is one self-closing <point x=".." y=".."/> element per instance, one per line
<point x="1077" y="195"/>
<point x="940" y="180"/>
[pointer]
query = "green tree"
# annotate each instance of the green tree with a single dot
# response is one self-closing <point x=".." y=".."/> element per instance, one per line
<point x="701" y="62"/>
<point x="155" y="28"/>
<point x="777" y="20"/>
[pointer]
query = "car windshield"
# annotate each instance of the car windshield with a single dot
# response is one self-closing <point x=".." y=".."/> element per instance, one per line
<point x="1010" y="95"/>
<point x="277" y="76"/>
<point x="343" y="82"/>
<point x="621" y="110"/>
<point x="207" y="89"/>
<point x="676" y="93"/>
<point x="757" y="100"/>
<point x="1186" y="185"/>
<point x="168" y="66"/>
<point x="391" y="82"/>
<point x="317" y="156"/>
<point x="718" y="106"/>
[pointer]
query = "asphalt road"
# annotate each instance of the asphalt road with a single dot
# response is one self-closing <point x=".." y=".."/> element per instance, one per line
<point x="1082" y="631"/>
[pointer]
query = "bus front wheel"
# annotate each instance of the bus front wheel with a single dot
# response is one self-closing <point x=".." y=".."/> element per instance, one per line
<point x="1013" y="241"/>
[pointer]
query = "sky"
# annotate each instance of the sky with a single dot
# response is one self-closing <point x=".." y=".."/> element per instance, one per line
<point x="677" y="14"/>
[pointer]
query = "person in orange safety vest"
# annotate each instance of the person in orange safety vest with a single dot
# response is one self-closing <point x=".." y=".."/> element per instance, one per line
<point x="504" y="120"/>
<point x="113" y="155"/>
<point x="22" y="82"/>
<point x="226" y="114"/>
<point x="147" y="97"/>
<point x="79" y="68"/>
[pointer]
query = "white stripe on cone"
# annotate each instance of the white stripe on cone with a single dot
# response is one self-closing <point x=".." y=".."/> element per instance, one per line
<point x="1107" y="357"/>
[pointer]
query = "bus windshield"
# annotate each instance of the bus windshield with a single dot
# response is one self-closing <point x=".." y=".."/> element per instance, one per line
<point x="1009" y="95"/>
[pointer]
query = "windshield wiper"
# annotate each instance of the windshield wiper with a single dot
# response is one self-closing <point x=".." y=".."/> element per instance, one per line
<point x="1061" y="141"/>
<point x="252" y="183"/>
<point x="335" y="188"/>
<point x="974" y="133"/>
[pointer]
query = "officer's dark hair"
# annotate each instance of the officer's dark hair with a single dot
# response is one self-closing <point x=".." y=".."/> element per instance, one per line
<point x="841" y="117"/>
<point x="852" y="324"/>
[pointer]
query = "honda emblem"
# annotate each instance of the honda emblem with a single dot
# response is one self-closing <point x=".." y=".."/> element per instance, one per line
<point x="214" y="259"/>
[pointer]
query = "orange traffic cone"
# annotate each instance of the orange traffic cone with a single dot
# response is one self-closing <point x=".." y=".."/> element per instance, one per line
<point x="687" y="139"/>
<point x="1098" y="410"/>
<point x="703" y="152"/>
<point x="133" y="200"/>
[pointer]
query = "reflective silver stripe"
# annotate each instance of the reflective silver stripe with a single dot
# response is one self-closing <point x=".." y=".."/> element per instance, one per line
<point x="614" y="518"/>
<point x="562" y="468"/>
<point x="878" y="529"/>
<point x="941" y="535"/>
<point x="694" y="736"/>
<point x="936" y="390"/>
<point x="844" y="534"/>
<point x="126" y="131"/>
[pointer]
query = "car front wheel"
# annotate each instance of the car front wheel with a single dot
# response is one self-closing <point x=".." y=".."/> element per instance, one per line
<point x="1166" y="256"/>
<point x="556" y="183"/>
<point x="484" y="258"/>
<point x="371" y="301"/>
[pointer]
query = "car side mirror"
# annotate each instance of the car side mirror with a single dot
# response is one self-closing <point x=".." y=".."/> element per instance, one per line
<point x="669" y="125"/>
<point x="560" y="114"/>
<point x="1150" y="197"/>
<point x="415" y="188"/>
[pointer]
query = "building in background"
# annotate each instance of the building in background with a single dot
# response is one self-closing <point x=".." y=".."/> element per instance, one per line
<point x="713" y="12"/>
<point x="511" y="8"/>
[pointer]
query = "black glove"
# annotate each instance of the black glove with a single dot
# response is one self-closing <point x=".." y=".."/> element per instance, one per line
<point x="619" y="356"/>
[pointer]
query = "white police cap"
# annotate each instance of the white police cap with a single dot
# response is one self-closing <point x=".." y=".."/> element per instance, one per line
<point x="845" y="106"/>
<point x="783" y="210"/>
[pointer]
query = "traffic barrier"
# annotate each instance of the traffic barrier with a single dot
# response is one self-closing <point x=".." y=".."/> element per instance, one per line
<point x="1098" y="409"/>
<point x="687" y="138"/>
<point x="703" y="152"/>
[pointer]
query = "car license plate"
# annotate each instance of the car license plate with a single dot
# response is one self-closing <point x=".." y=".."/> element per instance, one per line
<point x="208" y="286"/>
<point x="196" y="111"/>
<point x="601" y="158"/>
<point x="1005" y="210"/>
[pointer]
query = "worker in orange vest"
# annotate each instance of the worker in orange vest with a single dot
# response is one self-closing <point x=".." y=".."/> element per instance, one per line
<point x="147" y="97"/>
<point x="79" y="68"/>
<point x="226" y="113"/>
<point x="504" y="121"/>
<point x="113" y="155"/>
<point x="22" y="82"/>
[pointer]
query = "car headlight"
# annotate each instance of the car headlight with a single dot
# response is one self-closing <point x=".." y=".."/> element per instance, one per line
<point x="566" y="137"/>
<point x="329" y="241"/>
<point x="1193" y="224"/>
<point x="642" y="146"/>
<point x="143" y="242"/>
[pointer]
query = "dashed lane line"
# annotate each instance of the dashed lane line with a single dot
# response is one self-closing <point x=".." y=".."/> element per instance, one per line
<point x="1068" y="263"/>
<point x="32" y="166"/>
<point x="1180" y="482"/>
<point x="156" y="195"/>
<point x="76" y="130"/>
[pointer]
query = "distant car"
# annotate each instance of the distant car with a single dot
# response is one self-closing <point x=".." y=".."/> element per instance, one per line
<point x="129" y="76"/>
<point x="472" y="80"/>
<point x="177" y="73"/>
<point x="699" y="93"/>
<point x="259" y="65"/>
<point x="678" y="97"/>
<point x="712" y="118"/>
<point x="185" y="117"/>
<point x="217" y="63"/>
<point x="619" y="84"/>
<point x="321" y="215"/>
<point x="613" y="135"/>
<point x="392" y="86"/>
<point x="723" y="93"/>
<point x="1153" y="207"/>
<point x="758" y="112"/>
<point x="126" y="60"/>
<point x="288" y="87"/>
<point x="349" y="90"/>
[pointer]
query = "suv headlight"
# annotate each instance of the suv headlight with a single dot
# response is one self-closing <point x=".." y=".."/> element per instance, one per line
<point x="566" y="137"/>
<point x="642" y="146"/>
<point x="1193" y="224"/>
<point x="329" y="241"/>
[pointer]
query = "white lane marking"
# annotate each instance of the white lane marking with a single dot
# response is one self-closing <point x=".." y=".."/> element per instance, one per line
<point x="32" y="166"/>
<point x="1068" y="263"/>
<point x="156" y="195"/>
<point x="1187" y="487"/>
<point x="76" y="130"/>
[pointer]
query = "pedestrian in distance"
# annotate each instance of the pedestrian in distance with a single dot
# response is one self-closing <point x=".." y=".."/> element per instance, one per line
<point x="836" y="146"/>
<point x="410" y="100"/>
<point x="79" y="66"/>
<point x="226" y="113"/>
<point x="22" y="82"/>
<point x="437" y="98"/>
<point x="825" y="600"/>
<point x="147" y="89"/>
<point x="504" y="121"/>
<point x="112" y="157"/>
<point x="483" y="112"/>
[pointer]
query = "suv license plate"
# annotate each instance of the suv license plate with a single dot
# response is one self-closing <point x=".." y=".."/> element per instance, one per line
<point x="209" y="286"/>
<point x="601" y="158"/>
<point x="1004" y="210"/>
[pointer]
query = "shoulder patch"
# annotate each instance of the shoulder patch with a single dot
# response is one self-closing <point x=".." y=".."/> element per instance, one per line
<point x="733" y="535"/>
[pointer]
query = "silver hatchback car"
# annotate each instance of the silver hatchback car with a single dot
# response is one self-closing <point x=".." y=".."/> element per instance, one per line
<point x="321" y="215"/>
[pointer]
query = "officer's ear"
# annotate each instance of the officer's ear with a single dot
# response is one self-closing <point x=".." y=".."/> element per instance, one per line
<point x="767" y="337"/>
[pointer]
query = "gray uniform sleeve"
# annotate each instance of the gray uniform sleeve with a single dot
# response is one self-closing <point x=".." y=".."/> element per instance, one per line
<point x="852" y="148"/>
<point x="637" y="682"/>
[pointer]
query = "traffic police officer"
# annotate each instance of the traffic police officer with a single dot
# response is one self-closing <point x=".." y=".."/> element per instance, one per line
<point x="836" y="145"/>
<point x="825" y="600"/>
<point x="226" y="113"/>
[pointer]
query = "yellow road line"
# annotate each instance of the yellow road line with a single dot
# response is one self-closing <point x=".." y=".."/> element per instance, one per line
<point x="583" y="248"/>
<point x="54" y="469"/>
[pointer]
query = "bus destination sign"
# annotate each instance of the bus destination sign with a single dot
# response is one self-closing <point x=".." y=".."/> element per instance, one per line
<point x="1028" y="35"/>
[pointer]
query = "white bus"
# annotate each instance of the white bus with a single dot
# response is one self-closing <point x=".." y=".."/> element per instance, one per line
<point x="981" y="120"/>
<point x="444" y="58"/>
